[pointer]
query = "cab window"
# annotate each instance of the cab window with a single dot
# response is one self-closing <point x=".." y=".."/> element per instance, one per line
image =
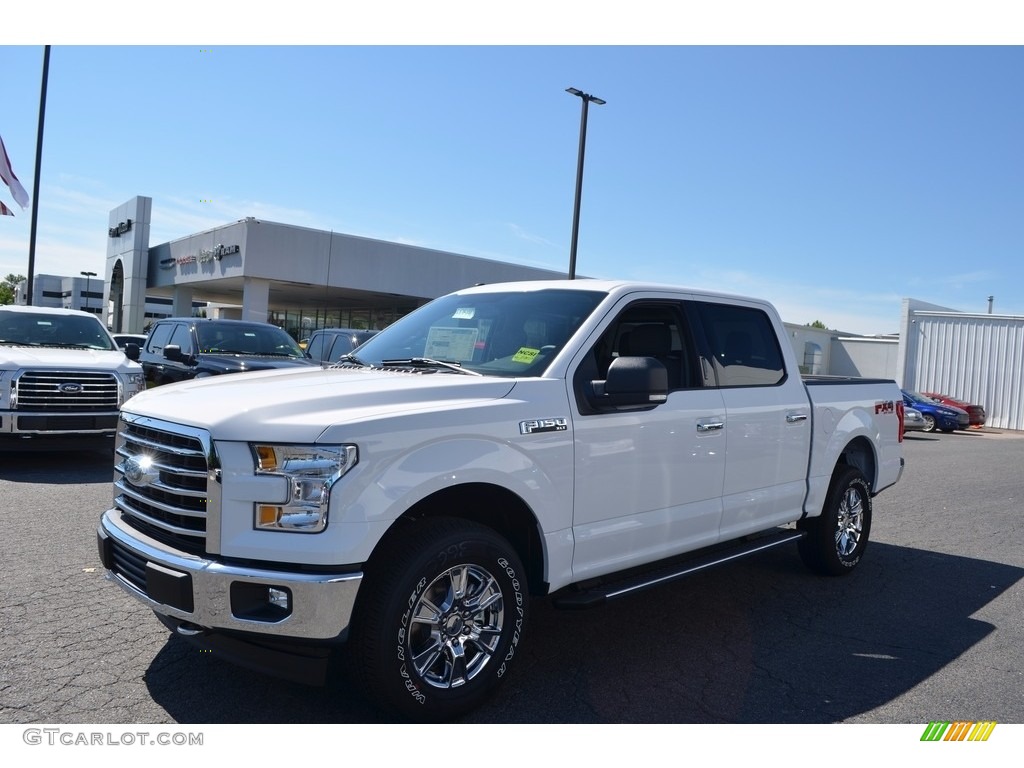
<point x="158" y="339"/>
<point x="743" y="344"/>
<point x="182" y="336"/>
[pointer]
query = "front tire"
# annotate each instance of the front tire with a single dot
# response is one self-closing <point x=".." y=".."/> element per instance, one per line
<point x="929" y="422"/>
<point x="439" y="620"/>
<point x="834" y="543"/>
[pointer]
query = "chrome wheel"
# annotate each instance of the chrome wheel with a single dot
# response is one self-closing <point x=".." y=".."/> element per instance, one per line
<point x="849" y="522"/>
<point x="834" y="542"/>
<point x="929" y="422"/>
<point x="440" y="618"/>
<point x="456" y="625"/>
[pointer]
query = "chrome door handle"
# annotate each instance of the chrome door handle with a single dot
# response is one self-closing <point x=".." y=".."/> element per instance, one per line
<point x="793" y="418"/>
<point x="709" y="426"/>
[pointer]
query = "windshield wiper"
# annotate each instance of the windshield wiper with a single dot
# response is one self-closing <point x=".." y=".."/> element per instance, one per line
<point x="429" y="362"/>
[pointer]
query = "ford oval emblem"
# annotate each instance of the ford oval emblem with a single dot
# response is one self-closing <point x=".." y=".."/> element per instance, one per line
<point x="70" y="388"/>
<point x="139" y="471"/>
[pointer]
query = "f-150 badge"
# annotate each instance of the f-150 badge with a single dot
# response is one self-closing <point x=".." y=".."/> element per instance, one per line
<point x="533" y="426"/>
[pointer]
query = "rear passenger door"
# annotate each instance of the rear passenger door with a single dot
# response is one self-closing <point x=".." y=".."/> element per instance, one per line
<point x="767" y="416"/>
<point x="647" y="482"/>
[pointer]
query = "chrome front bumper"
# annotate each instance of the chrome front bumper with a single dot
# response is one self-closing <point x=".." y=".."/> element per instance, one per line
<point x="215" y="596"/>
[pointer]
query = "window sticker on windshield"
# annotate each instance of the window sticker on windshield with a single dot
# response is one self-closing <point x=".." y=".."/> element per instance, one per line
<point x="525" y="355"/>
<point x="464" y="313"/>
<point x="451" y="343"/>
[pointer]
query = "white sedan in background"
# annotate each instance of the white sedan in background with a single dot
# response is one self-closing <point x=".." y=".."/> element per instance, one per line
<point x="913" y="421"/>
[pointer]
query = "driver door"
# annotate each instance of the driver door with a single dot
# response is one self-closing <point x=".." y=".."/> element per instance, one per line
<point x="648" y="483"/>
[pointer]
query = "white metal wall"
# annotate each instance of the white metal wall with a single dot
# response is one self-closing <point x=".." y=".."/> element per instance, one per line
<point x="874" y="358"/>
<point x="973" y="357"/>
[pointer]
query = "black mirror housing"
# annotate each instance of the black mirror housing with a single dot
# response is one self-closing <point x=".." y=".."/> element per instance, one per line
<point x="632" y="382"/>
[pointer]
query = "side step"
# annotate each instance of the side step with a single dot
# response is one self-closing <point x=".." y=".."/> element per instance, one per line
<point x="591" y="594"/>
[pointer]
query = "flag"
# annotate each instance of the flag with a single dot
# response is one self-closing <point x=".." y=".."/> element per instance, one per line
<point x="7" y="174"/>
<point x="4" y="210"/>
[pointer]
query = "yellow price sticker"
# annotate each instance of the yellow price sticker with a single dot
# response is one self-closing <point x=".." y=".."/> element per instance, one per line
<point x="525" y="355"/>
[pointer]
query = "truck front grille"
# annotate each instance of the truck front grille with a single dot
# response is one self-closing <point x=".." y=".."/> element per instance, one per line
<point x="61" y="391"/>
<point x="160" y="482"/>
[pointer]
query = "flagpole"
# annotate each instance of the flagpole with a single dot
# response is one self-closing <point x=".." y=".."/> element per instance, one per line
<point x="35" y="185"/>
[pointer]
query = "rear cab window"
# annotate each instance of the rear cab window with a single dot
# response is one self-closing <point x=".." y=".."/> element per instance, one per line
<point x="743" y="343"/>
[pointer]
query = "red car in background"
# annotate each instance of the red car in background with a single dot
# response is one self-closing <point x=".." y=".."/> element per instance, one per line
<point x="975" y="412"/>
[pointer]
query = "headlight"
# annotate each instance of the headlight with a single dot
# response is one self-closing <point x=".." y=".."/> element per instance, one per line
<point x="310" y="471"/>
<point x="133" y="384"/>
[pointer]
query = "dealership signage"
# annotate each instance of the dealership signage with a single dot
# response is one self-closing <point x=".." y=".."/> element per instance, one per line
<point x="204" y="256"/>
<point x="120" y="229"/>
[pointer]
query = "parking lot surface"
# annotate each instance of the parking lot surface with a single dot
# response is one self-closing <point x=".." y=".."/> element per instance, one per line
<point x="928" y="627"/>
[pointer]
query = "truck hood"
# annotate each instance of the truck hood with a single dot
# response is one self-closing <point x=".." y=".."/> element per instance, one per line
<point x="66" y="357"/>
<point x="225" y="363"/>
<point x="298" y="405"/>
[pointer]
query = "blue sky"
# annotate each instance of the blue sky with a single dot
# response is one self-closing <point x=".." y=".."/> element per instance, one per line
<point x="832" y="180"/>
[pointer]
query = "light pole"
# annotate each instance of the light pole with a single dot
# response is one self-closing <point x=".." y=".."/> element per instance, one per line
<point x="586" y="98"/>
<point x="87" y="276"/>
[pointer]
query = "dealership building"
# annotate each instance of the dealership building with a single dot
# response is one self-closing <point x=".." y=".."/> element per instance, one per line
<point x="294" y="277"/>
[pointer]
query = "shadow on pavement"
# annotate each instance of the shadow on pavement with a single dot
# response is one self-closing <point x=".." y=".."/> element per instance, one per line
<point x="761" y="641"/>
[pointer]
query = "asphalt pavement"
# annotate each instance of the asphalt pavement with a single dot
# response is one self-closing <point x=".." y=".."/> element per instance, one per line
<point x="927" y="628"/>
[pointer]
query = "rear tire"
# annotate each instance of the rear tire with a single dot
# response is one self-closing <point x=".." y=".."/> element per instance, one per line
<point x="834" y="543"/>
<point x="440" y="619"/>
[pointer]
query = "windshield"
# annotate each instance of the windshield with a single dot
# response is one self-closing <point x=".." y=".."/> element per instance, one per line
<point x="246" y="339"/>
<point x="29" y="329"/>
<point x="514" y="333"/>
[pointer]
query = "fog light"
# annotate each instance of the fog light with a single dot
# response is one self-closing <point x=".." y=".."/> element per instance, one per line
<point x="278" y="598"/>
<point x="260" y="602"/>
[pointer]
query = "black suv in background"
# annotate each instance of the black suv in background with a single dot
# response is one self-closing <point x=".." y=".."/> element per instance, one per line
<point x="180" y="348"/>
<point x="328" y="344"/>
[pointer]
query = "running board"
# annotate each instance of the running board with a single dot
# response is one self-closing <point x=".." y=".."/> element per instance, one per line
<point x="578" y="596"/>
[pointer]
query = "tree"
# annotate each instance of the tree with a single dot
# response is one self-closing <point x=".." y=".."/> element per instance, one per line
<point x="7" y="288"/>
<point x="817" y="324"/>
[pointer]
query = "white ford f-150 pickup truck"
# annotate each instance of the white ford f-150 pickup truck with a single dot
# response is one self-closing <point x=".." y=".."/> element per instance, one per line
<point x="578" y="440"/>
<point x="62" y="379"/>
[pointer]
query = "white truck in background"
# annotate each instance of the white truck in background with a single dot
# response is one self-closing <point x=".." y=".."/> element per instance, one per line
<point x="577" y="440"/>
<point x="62" y="379"/>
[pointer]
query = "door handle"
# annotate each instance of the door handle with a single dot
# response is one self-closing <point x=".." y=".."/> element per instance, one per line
<point x="793" y="418"/>
<point x="710" y="426"/>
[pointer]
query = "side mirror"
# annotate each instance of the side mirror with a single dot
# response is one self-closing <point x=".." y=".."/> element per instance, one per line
<point x="173" y="352"/>
<point x="632" y="382"/>
<point x="131" y="351"/>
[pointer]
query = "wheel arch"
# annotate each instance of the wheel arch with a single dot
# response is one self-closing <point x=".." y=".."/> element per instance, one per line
<point x="486" y="504"/>
<point x="860" y="454"/>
